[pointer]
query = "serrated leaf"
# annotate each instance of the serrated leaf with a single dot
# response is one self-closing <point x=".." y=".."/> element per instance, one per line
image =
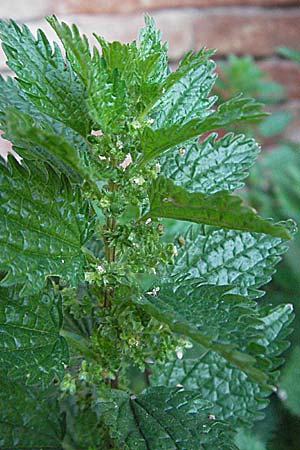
<point x="211" y="165"/>
<point x="76" y="47"/>
<point x="12" y="104"/>
<point x="107" y="100"/>
<point x="227" y="257"/>
<point x="43" y="225"/>
<point x="203" y="313"/>
<point x="163" y="419"/>
<point x="246" y="441"/>
<point x="156" y="141"/>
<point x="45" y="78"/>
<point x="220" y="209"/>
<point x="31" y="348"/>
<point x="187" y="98"/>
<point x="53" y="146"/>
<point x="236" y="397"/>
<point x="29" y="418"/>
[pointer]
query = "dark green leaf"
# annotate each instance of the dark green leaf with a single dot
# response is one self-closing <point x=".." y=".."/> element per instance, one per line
<point x="46" y="79"/>
<point x="289" y="388"/>
<point x="15" y="124"/>
<point x="220" y="209"/>
<point x="29" y="418"/>
<point x="163" y="419"/>
<point x="53" y="147"/>
<point x="211" y="165"/>
<point x="236" y="397"/>
<point x="43" y="225"/>
<point x="31" y="348"/>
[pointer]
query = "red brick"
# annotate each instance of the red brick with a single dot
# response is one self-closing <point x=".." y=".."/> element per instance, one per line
<point x="248" y="30"/>
<point x="128" y="6"/>
<point x="286" y="73"/>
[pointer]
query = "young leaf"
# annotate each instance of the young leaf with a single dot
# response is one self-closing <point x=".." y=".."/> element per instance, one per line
<point x="107" y="102"/>
<point x="31" y="348"/>
<point x="220" y="209"/>
<point x="227" y="257"/>
<point x="76" y="47"/>
<point x="29" y="418"/>
<point x="163" y="418"/>
<point x="211" y="165"/>
<point x="45" y="78"/>
<point x="43" y="225"/>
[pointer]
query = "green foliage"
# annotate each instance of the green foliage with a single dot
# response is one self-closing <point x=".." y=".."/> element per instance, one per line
<point x="163" y="418"/>
<point x="31" y="348"/>
<point x="220" y="209"/>
<point x="289" y="384"/>
<point x="87" y="269"/>
<point x="224" y="163"/>
<point x="30" y="418"/>
<point x="40" y="237"/>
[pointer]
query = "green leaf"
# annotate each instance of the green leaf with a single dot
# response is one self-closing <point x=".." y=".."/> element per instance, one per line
<point x="15" y="124"/>
<point x="220" y="209"/>
<point x="227" y="257"/>
<point x="164" y="419"/>
<point x="186" y="99"/>
<point x="289" y="388"/>
<point x="53" y="147"/>
<point x="76" y="47"/>
<point x="107" y="102"/>
<point x="45" y="78"/>
<point x="29" y="418"/>
<point x="43" y="225"/>
<point x="31" y="348"/>
<point x="236" y="396"/>
<point x="211" y="165"/>
<point x="156" y="141"/>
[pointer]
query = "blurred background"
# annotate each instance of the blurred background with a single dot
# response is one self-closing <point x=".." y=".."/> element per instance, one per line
<point x="258" y="54"/>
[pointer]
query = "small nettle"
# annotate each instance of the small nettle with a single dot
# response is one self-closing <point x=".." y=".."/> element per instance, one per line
<point x="130" y="271"/>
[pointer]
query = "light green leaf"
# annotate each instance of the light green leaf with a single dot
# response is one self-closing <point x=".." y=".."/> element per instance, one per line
<point x="163" y="418"/>
<point x="156" y="141"/>
<point x="45" y="78"/>
<point x="227" y="257"/>
<point x="29" y="418"/>
<point x="220" y="209"/>
<point x="186" y="98"/>
<point x="43" y="225"/>
<point x="107" y="102"/>
<point x="211" y="165"/>
<point x="76" y="47"/>
<point x="31" y="348"/>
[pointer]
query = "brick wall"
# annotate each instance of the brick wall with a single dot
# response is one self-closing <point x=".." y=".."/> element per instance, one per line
<point x="232" y="26"/>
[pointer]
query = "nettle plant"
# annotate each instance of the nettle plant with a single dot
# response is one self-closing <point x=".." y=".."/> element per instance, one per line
<point x="118" y="328"/>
